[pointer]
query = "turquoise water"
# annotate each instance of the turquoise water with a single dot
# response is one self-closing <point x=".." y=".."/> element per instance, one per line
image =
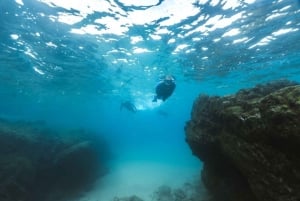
<point x="72" y="63"/>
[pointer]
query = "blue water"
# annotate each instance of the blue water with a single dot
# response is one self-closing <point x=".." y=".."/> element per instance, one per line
<point x="71" y="64"/>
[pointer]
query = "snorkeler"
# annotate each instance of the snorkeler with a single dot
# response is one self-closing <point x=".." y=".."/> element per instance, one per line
<point x="129" y="106"/>
<point x="165" y="88"/>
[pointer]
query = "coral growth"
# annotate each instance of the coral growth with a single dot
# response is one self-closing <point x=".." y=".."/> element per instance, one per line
<point x="190" y="191"/>
<point x="129" y="198"/>
<point x="249" y="143"/>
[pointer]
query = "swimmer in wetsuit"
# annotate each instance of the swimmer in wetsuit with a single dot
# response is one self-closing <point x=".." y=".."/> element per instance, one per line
<point x="129" y="106"/>
<point x="165" y="88"/>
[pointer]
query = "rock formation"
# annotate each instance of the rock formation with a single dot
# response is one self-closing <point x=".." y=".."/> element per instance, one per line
<point x="189" y="191"/>
<point x="38" y="164"/>
<point x="249" y="143"/>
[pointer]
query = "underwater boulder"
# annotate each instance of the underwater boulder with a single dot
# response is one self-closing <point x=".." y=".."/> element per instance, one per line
<point x="76" y="165"/>
<point x="39" y="164"/>
<point x="16" y="175"/>
<point x="249" y="143"/>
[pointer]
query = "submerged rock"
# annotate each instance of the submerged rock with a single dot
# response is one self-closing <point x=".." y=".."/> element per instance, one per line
<point x="129" y="198"/>
<point x="38" y="164"/>
<point x="249" y="143"/>
<point x="193" y="191"/>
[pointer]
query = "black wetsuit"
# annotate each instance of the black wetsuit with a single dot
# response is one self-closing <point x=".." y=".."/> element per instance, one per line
<point x="164" y="90"/>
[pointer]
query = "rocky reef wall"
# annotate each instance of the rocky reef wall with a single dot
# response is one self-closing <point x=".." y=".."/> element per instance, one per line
<point x="39" y="164"/>
<point x="249" y="143"/>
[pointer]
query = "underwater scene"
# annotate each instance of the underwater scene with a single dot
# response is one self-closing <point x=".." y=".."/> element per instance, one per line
<point x="149" y="100"/>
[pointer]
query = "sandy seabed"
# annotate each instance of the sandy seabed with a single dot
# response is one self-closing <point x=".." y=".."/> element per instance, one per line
<point x="131" y="175"/>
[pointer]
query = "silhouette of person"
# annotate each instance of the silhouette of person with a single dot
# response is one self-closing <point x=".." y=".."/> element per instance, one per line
<point x="129" y="106"/>
<point x="165" y="88"/>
